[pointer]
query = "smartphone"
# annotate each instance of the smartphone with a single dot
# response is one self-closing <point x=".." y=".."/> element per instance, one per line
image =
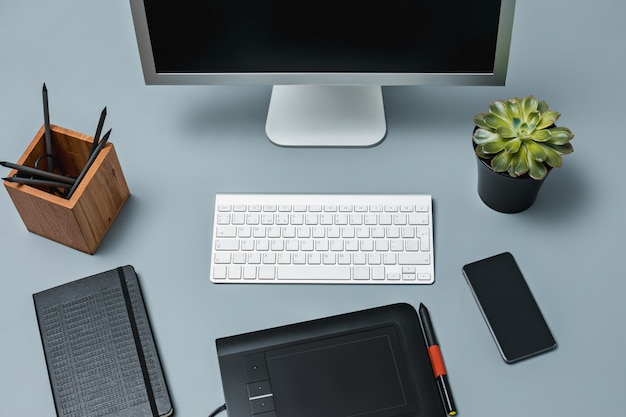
<point x="509" y="308"/>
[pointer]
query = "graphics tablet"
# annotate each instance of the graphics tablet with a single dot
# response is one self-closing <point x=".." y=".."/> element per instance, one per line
<point x="369" y="363"/>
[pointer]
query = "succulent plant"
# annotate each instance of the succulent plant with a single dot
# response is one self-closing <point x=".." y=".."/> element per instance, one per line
<point x="519" y="136"/>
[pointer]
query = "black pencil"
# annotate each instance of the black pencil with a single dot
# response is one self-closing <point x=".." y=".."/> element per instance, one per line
<point x="48" y="133"/>
<point x="37" y="181"/>
<point x="96" y="137"/>
<point x="38" y="172"/>
<point x="92" y="157"/>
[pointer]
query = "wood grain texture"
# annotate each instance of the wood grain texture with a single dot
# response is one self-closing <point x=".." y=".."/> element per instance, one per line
<point x="82" y="221"/>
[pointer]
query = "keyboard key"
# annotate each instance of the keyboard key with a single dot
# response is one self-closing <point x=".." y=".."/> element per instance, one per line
<point x="378" y="273"/>
<point x="219" y="272"/>
<point x="304" y="273"/>
<point x="413" y="259"/>
<point x="226" y="231"/>
<point x="267" y="272"/>
<point x="249" y="272"/>
<point x="418" y="218"/>
<point x="222" y="258"/>
<point x="360" y="272"/>
<point x="234" y="272"/>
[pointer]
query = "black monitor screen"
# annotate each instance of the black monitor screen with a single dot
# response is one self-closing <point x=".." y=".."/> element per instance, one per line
<point x="358" y="374"/>
<point x="354" y="36"/>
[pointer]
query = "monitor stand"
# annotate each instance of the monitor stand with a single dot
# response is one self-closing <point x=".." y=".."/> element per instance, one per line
<point x="315" y="115"/>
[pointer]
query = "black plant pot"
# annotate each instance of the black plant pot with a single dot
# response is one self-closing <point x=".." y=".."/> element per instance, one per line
<point x="504" y="193"/>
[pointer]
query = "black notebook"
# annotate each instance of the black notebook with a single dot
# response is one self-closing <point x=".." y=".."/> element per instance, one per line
<point x="100" y="351"/>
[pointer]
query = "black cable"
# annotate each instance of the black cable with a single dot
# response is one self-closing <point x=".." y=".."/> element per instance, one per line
<point x="218" y="410"/>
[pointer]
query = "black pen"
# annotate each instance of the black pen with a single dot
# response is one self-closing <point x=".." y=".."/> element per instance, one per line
<point x="37" y="181"/>
<point x="38" y="172"/>
<point x="92" y="157"/>
<point x="436" y="360"/>
<point x="48" y="133"/>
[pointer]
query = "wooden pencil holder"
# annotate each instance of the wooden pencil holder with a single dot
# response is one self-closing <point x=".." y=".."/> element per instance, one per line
<point x="82" y="221"/>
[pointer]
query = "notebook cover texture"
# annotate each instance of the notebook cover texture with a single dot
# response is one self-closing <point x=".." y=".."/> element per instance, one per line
<point x="99" y="348"/>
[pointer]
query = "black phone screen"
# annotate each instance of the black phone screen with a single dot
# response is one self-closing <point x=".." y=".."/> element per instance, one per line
<point x="509" y="307"/>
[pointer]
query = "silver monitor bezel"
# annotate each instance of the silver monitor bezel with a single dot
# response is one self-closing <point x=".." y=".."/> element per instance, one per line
<point x="497" y="77"/>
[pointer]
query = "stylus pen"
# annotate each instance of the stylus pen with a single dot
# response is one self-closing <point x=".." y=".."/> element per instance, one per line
<point x="436" y="360"/>
<point x="47" y="133"/>
<point x="38" y="172"/>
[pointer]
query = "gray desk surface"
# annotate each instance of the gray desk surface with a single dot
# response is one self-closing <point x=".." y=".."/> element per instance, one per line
<point x="179" y="146"/>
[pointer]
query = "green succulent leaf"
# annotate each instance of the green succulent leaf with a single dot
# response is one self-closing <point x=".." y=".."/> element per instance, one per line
<point x="519" y="163"/>
<point x="479" y="120"/>
<point x="481" y="153"/>
<point x="501" y="161"/>
<point x="537" y="170"/>
<point x="493" y="147"/>
<point x="514" y="109"/>
<point x="542" y="107"/>
<point x="482" y="136"/>
<point x="512" y="146"/>
<point x="547" y="119"/>
<point x="553" y="158"/>
<point x="532" y="119"/>
<point x="529" y="107"/>
<point x="536" y="151"/>
<point x="507" y="132"/>
<point x="540" y="135"/>
<point x="560" y="135"/>
<point x="564" y="149"/>
<point x="499" y="109"/>
<point x="494" y="121"/>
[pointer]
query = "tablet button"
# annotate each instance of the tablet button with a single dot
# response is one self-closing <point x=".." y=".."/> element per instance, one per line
<point x="255" y="367"/>
<point x="257" y="389"/>
<point x="262" y="405"/>
<point x="268" y="414"/>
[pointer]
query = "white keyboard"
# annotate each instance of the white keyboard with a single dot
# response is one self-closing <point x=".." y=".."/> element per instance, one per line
<point x="323" y="238"/>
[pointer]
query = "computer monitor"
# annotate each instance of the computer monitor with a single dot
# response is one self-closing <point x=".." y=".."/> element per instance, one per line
<point x="326" y="59"/>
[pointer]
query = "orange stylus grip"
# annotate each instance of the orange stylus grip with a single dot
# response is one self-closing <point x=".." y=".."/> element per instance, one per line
<point x="437" y="361"/>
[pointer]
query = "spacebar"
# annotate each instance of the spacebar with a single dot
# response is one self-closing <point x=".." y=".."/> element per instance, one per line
<point x="313" y="273"/>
